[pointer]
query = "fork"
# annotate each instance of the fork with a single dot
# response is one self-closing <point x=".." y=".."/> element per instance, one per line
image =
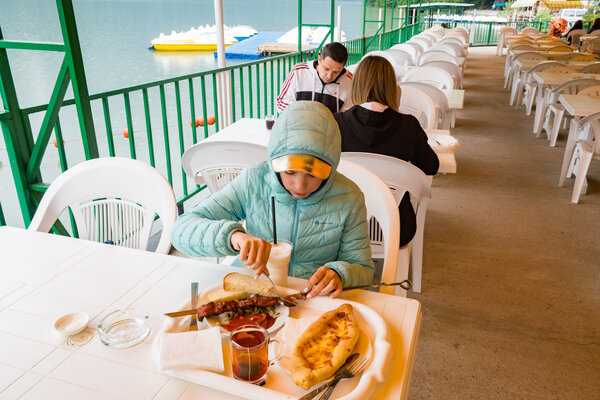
<point x="194" y="320"/>
<point x="281" y="298"/>
<point x="356" y="368"/>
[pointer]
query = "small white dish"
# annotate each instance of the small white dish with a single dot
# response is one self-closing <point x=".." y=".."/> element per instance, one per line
<point x="73" y="323"/>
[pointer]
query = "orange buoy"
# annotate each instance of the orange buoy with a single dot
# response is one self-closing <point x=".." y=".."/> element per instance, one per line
<point x="199" y="122"/>
<point x="55" y="143"/>
<point x="210" y="119"/>
<point x="126" y="133"/>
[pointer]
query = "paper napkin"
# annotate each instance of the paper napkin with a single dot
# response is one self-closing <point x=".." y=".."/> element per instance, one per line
<point x="196" y="349"/>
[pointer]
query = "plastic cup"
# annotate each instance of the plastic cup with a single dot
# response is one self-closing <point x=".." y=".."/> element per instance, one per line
<point x="250" y="353"/>
<point x="270" y="120"/>
<point x="279" y="262"/>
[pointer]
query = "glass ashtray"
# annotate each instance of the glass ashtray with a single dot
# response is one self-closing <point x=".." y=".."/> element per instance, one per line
<point x="124" y="328"/>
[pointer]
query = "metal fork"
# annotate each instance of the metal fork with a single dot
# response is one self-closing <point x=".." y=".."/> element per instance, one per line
<point x="356" y="368"/>
<point x="194" y="320"/>
<point x="281" y="298"/>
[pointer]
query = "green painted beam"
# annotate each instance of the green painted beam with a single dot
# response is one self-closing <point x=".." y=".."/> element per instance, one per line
<point x="22" y="45"/>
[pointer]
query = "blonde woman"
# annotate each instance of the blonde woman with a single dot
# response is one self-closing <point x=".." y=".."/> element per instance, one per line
<point x="374" y="125"/>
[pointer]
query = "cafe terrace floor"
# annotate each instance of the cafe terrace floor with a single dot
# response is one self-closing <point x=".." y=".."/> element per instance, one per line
<point x="511" y="272"/>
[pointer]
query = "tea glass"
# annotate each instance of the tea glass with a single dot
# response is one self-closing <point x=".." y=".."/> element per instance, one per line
<point x="250" y="353"/>
<point x="270" y="120"/>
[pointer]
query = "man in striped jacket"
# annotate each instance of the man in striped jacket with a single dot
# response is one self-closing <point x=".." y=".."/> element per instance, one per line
<point x="324" y="80"/>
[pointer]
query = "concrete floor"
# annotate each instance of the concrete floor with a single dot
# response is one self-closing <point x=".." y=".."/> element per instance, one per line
<point x="511" y="275"/>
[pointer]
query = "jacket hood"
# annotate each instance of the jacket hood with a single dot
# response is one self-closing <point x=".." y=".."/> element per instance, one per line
<point x="370" y="127"/>
<point x="306" y="127"/>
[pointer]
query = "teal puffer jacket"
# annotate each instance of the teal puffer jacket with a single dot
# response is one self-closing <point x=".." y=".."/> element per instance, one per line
<point x="329" y="227"/>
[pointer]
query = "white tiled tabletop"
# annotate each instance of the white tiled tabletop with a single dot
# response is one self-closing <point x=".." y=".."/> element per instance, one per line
<point x="37" y="363"/>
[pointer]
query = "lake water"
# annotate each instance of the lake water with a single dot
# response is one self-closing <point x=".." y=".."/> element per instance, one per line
<point x="115" y="36"/>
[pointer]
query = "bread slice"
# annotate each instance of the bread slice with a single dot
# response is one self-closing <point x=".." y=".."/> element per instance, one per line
<point x="236" y="282"/>
<point x="226" y="295"/>
<point x="324" y="346"/>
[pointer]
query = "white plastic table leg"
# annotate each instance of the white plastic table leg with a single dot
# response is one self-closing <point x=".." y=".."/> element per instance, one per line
<point x="569" y="148"/>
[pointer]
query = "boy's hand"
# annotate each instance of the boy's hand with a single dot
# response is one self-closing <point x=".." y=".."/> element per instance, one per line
<point x="253" y="251"/>
<point x="324" y="281"/>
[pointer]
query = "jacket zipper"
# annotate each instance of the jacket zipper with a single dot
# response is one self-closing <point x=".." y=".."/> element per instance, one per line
<point x="294" y="232"/>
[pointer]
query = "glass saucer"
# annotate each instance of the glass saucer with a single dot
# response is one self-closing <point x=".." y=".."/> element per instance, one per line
<point x="124" y="328"/>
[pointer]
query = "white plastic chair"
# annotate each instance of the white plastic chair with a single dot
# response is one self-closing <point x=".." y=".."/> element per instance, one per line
<point x="511" y="72"/>
<point x="412" y="50"/>
<point x="454" y="40"/>
<point x="529" y="30"/>
<point x="591" y="69"/>
<point x="449" y="48"/>
<point x="430" y="36"/>
<point x="217" y="163"/>
<point x="443" y="111"/>
<point x="388" y="56"/>
<point x="586" y="150"/>
<point x="574" y="35"/>
<point x="526" y="82"/>
<point x="402" y="177"/>
<point x="503" y="33"/>
<point x="453" y="69"/>
<point x="111" y="199"/>
<point x="381" y="205"/>
<point x="424" y="43"/>
<point x="418" y="103"/>
<point x="560" y="49"/>
<point x="554" y="112"/>
<point x="432" y="75"/>
<point x="437" y="55"/>
<point x="401" y="57"/>
<point x="576" y="57"/>
<point x="458" y="30"/>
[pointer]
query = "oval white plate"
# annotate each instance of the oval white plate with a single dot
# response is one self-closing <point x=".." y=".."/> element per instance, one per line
<point x="283" y="312"/>
<point x="71" y="324"/>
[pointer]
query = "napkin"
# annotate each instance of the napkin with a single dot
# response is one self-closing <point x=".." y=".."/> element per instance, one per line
<point x="196" y="349"/>
<point x="289" y="334"/>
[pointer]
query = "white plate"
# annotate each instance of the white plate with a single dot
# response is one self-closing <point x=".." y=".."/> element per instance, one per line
<point x="217" y="320"/>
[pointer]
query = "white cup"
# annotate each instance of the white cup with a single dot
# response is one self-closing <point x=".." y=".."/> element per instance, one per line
<point x="279" y="262"/>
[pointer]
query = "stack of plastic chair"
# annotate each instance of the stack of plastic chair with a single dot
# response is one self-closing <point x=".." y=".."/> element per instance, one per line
<point x="402" y="177"/>
<point x="503" y="34"/>
<point x="443" y="111"/>
<point x="388" y="56"/>
<point x="418" y="103"/>
<point x="112" y="200"/>
<point x="424" y="43"/>
<point x="586" y="150"/>
<point x="453" y="69"/>
<point x="454" y="50"/>
<point x="401" y="57"/>
<point x="552" y="125"/>
<point x="437" y="55"/>
<point x="591" y="69"/>
<point x="432" y="75"/>
<point x="382" y="207"/>
<point x="525" y="86"/>
<point x="550" y="100"/>
<point x="412" y="50"/>
<point x="511" y="73"/>
<point x="217" y="163"/>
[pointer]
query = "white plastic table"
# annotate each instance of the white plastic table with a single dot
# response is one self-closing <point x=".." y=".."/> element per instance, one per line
<point x="44" y="276"/>
<point x="577" y="106"/>
<point x="254" y="130"/>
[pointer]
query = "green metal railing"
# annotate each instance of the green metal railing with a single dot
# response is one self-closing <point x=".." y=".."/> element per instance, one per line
<point x="154" y="122"/>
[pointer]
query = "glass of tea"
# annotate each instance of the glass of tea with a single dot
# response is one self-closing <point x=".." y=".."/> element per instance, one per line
<point x="269" y="120"/>
<point x="250" y="353"/>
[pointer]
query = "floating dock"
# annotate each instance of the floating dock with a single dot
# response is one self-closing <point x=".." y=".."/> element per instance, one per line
<point x="249" y="48"/>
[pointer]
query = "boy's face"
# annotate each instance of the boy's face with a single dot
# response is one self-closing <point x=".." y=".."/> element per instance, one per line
<point x="299" y="183"/>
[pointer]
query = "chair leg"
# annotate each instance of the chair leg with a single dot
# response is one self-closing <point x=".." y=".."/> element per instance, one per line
<point x="530" y="98"/>
<point x="584" y="164"/>
<point x="558" y="117"/>
<point x="516" y="87"/>
<point x="402" y="270"/>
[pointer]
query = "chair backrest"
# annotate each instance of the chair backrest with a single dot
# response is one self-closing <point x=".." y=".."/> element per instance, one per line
<point x="388" y="56"/>
<point x="453" y="69"/>
<point x="591" y="124"/>
<point x="418" y="103"/>
<point x="432" y="75"/>
<point x="437" y="55"/>
<point x="551" y="66"/>
<point x="529" y="55"/>
<point x="529" y="30"/>
<point x="401" y="57"/>
<point x="560" y="49"/>
<point x="455" y="50"/>
<point x="424" y="43"/>
<point x="456" y="40"/>
<point x="381" y="205"/>
<point x="576" y="57"/>
<point x="401" y="177"/>
<point x="443" y="111"/>
<point x="427" y="38"/>
<point x="418" y="48"/>
<point x="505" y="30"/>
<point x="430" y="36"/>
<point x="571" y="87"/>
<point x="458" y="30"/>
<point x="220" y="162"/>
<point x="111" y="199"/>
<point x="591" y="69"/>
<point x="574" y="36"/>
<point x="463" y="40"/>
<point x="592" y="91"/>
<point x="409" y="49"/>
<point x="523" y="47"/>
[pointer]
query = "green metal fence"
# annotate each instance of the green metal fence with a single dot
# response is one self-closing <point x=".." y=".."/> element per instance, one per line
<point x="154" y="122"/>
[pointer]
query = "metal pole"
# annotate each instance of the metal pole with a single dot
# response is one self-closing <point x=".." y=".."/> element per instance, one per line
<point x="338" y="29"/>
<point x="223" y="79"/>
<point x="299" y="25"/>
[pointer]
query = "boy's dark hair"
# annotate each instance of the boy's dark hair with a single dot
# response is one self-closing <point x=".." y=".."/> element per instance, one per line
<point x="336" y="51"/>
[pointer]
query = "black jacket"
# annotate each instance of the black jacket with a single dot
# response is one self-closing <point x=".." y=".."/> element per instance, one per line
<point x="393" y="134"/>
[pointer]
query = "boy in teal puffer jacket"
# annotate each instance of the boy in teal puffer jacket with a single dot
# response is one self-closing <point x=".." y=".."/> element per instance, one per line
<point x="321" y="212"/>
